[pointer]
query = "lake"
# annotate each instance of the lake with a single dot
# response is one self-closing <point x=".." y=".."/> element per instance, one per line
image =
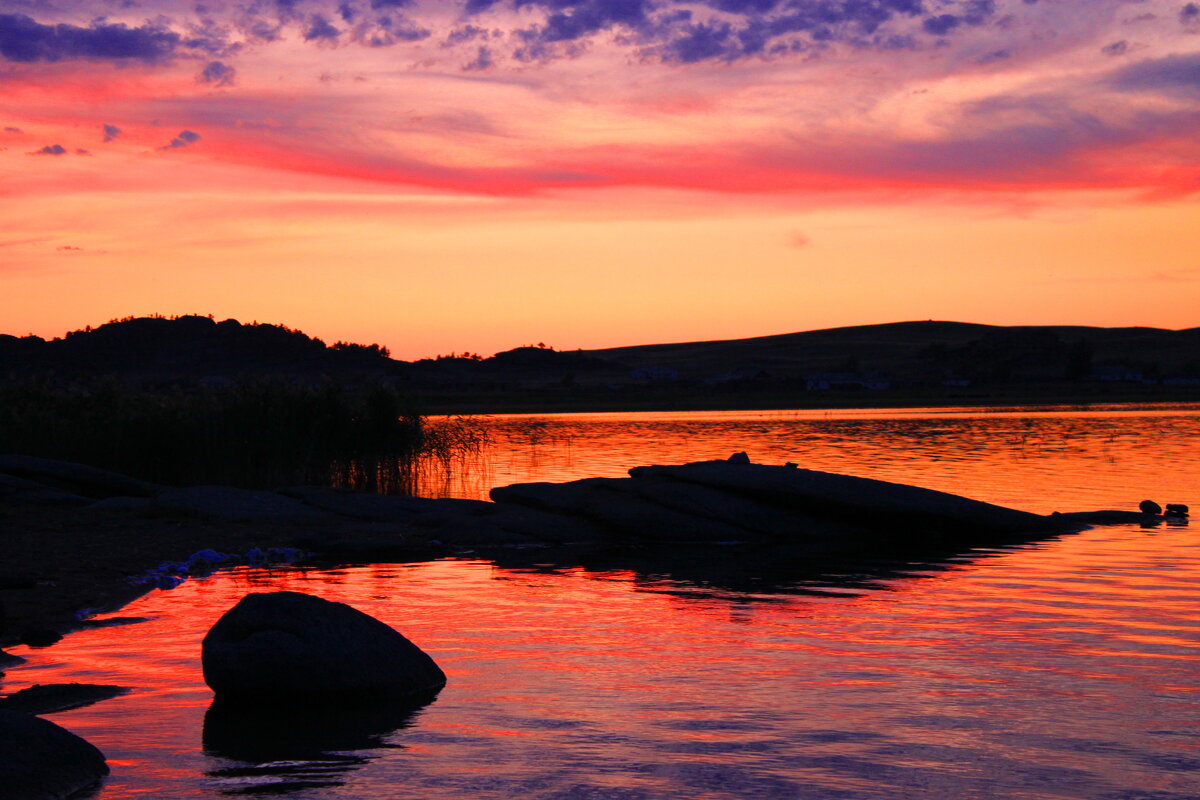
<point x="1062" y="668"/>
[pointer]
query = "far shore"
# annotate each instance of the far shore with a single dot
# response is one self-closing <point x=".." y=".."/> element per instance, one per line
<point x="665" y="398"/>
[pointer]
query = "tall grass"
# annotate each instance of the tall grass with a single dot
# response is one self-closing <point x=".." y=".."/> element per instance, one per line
<point x="260" y="434"/>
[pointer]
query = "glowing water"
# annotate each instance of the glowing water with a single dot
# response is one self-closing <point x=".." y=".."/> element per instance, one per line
<point x="1066" y="668"/>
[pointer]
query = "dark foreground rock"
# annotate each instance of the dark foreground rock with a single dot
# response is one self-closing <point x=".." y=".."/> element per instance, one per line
<point x="289" y="647"/>
<point x="41" y="761"/>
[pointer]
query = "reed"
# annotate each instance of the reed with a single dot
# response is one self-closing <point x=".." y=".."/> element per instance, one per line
<point x="257" y="434"/>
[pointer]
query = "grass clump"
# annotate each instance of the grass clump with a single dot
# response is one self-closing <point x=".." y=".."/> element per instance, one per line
<point x="256" y="434"/>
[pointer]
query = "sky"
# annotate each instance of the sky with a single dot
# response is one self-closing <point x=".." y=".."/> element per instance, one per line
<point x="476" y="175"/>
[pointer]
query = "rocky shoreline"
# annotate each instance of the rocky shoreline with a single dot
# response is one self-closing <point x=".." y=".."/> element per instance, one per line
<point x="78" y="540"/>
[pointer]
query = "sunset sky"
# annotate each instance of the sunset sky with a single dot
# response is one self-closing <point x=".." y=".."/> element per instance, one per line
<point x="481" y="174"/>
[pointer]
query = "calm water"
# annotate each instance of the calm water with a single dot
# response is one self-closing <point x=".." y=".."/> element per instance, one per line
<point x="1067" y="668"/>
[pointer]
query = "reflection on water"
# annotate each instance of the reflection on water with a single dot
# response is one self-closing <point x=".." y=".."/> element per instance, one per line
<point x="287" y="749"/>
<point x="1063" y="669"/>
<point x="1058" y="669"/>
<point x="1051" y="459"/>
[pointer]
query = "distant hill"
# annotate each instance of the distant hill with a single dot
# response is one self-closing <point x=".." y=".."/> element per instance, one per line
<point x="188" y="347"/>
<point x="926" y="350"/>
<point x="919" y="358"/>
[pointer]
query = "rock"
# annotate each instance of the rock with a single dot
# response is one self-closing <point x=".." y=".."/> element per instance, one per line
<point x="41" y="761"/>
<point x="360" y="505"/>
<point x="49" y="698"/>
<point x="542" y="526"/>
<point x="122" y="504"/>
<point x="40" y="637"/>
<point x="844" y="497"/>
<point x="238" y="505"/>
<point x="286" y="647"/>
<point x="75" y="478"/>
<point x="758" y="520"/>
<point x="1082" y="519"/>
<point x="1149" y="507"/>
<point x="1177" y="510"/>
<point x="612" y="503"/>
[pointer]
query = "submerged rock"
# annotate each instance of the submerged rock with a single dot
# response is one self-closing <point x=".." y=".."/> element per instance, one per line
<point x="41" y="761"/>
<point x="291" y="647"/>
<point x="52" y="697"/>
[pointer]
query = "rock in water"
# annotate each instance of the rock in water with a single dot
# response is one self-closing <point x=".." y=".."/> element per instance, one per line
<point x="1149" y="507"/>
<point x="41" y="761"/>
<point x="279" y="647"/>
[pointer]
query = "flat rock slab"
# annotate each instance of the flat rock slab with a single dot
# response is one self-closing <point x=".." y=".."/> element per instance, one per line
<point x="378" y="507"/>
<point x="42" y="761"/>
<point x="829" y="493"/>
<point x="75" y="478"/>
<point x="237" y="505"/>
<point x="52" y="697"/>
<point x="611" y="503"/>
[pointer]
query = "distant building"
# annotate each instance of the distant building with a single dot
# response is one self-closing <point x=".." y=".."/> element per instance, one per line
<point x="737" y="376"/>
<point x="655" y="373"/>
<point x="870" y="380"/>
<point x="1118" y="373"/>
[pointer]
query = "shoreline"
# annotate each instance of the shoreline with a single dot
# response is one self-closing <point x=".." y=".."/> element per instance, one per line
<point x="660" y="399"/>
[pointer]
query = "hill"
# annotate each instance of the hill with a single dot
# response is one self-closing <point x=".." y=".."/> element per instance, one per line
<point x="895" y="363"/>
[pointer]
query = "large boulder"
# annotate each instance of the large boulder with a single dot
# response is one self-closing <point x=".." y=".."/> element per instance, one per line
<point x="288" y="647"/>
<point x="41" y="761"/>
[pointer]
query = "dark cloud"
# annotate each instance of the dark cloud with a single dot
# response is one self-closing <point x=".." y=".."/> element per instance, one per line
<point x="208" y="36"/>
<point x="182" y="140"/>
<point x="483" y="60"/>
<point x="79" y="151"/>
<point x="320" y="29"/>
<point x="774" y="28"/>
<point x="378" y="4"/>
<point x="1190" y="14"/>
<point x="1116" y="48"/>
<point x="479" y="6"/>
<point x="941" y="24"/>
<point x="1172" y="74"/>
<point x="387" y="30"/>
<point x="26" y="40"/>
<point x="218" y="74"/>
<point x="110" y="132"/>
<point x="11" y="129"/>
<point x="702" y="42"/>
<point x="50" y="150"/>
<point x="466" y="33"/>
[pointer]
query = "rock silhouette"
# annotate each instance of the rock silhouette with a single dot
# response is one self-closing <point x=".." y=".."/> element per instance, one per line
<point x="41" y="761"/>
<point x="289" y="647"/>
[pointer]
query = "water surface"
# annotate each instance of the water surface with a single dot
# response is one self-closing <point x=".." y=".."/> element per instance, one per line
<point x="1062" y="668"/>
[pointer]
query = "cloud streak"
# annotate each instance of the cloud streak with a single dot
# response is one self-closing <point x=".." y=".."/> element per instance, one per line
<point x="23" y="39"/>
